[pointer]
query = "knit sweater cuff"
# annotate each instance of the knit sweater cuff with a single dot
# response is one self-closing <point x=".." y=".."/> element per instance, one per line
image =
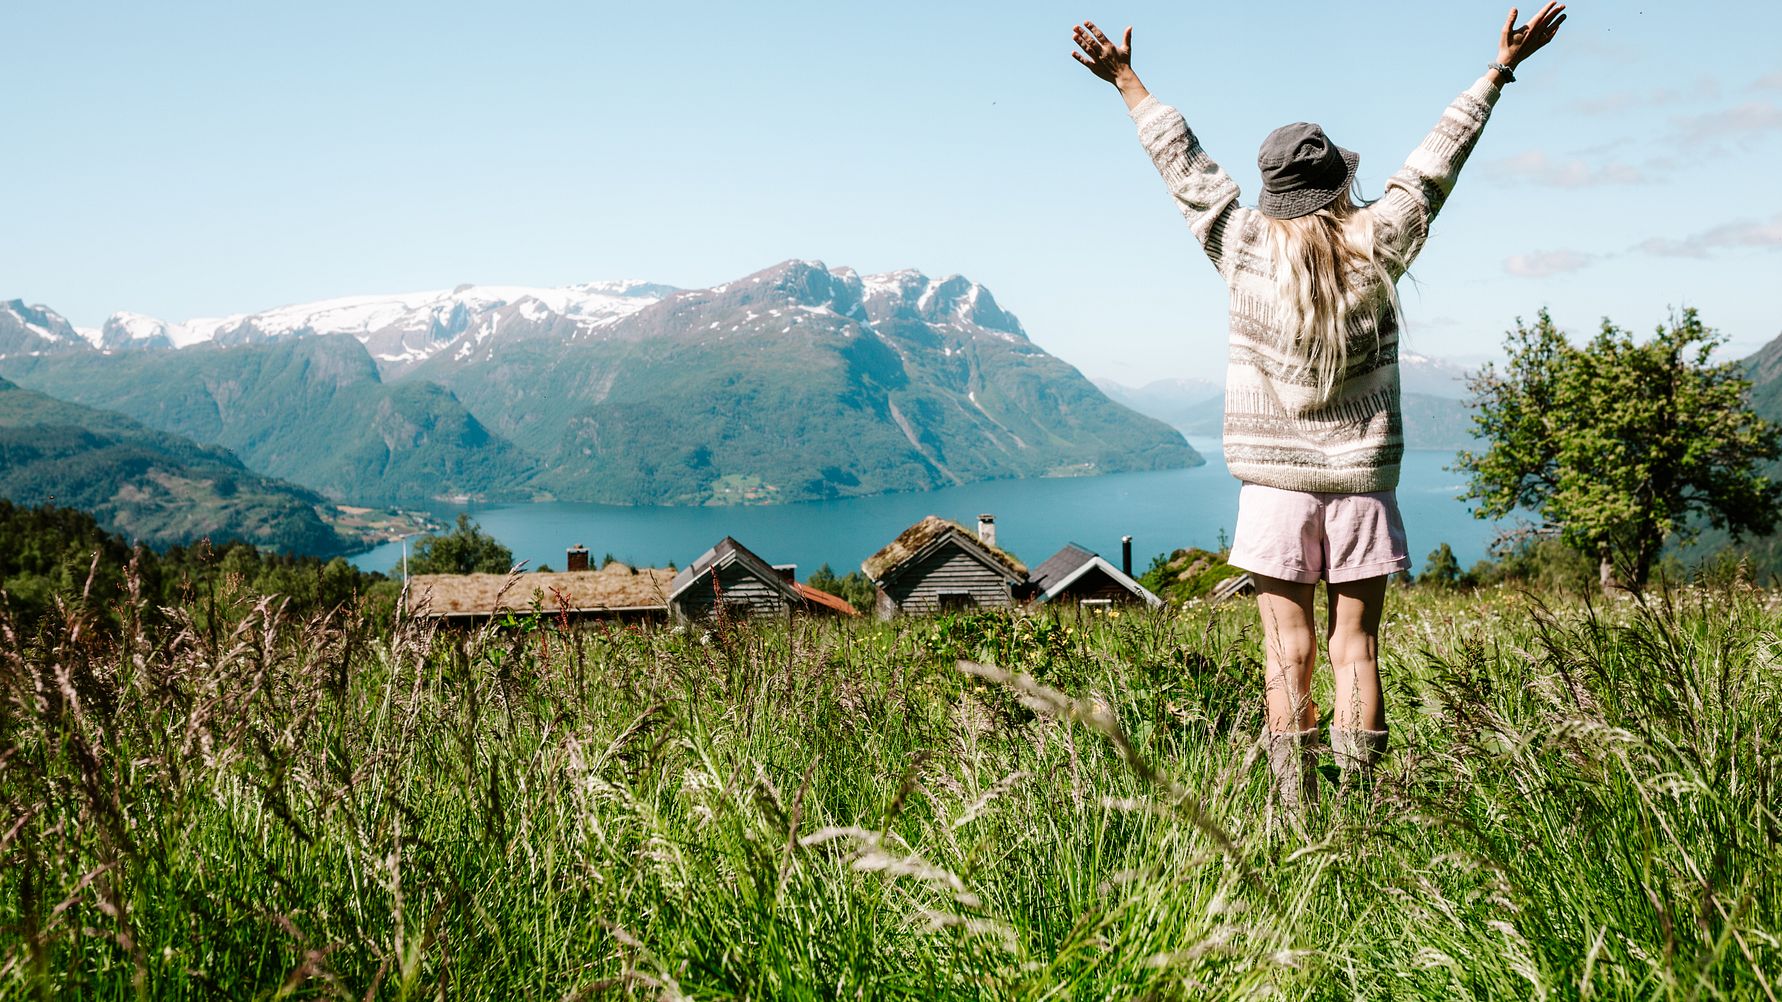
<point x="1485" y="90"/>
<point x="1147" y="108"/>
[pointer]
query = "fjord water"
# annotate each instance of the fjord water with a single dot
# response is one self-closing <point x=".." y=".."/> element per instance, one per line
<point x="1161" y="510"/>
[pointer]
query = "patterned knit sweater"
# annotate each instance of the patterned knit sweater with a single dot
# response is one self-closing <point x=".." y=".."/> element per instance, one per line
<point x="1279" y="431"/>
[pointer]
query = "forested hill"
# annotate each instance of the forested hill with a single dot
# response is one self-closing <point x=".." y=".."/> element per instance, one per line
<point x="147" y="485"/>
<point x="795" y="383"/>
<point x="1764" y="369"/>
<point x="312" y="410"/>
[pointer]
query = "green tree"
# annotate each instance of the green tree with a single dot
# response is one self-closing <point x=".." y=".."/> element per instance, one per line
<point x="855" y="587"/>
<point x="1620" y="445"/>
<point x="1442" y="569"/>
<point x="464" y="549"/>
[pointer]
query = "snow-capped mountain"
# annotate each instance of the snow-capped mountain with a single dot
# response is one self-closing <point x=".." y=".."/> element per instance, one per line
<point x="793" y="383"/>
<point x="38" y="330"/>
<point x="1436" y="377"/>
<point x="403" y="329"/>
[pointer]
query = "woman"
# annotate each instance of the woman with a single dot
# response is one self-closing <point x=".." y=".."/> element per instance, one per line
<point x="1312" y="420"/>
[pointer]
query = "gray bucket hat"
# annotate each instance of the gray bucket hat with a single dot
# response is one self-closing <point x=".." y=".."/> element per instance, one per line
<point x="1302" y="170"/>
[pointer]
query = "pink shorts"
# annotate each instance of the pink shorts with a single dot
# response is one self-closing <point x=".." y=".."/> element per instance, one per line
<point x="1301" y="536"/>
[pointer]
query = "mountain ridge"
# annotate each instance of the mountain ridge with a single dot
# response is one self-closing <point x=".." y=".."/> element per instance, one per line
<point x="796" y="382"/>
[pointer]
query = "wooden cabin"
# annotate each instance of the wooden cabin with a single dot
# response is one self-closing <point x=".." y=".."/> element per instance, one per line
<point x="614" y="592"/>
<point x="938" y="565"/>
<point x="1080" y="577"/>
<point x="1243" y="584"/>
<point x="731" y="574"/>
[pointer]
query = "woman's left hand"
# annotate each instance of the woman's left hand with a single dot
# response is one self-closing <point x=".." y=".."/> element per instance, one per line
<point x="1516" y="44"/>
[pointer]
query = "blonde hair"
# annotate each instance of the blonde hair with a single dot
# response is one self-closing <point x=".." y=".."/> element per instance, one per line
<point x="1326" y="262"/>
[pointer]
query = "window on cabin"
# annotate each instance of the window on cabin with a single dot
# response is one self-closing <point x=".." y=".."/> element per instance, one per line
<point x="1097" y="603"/>
<point x="956" y="601"/>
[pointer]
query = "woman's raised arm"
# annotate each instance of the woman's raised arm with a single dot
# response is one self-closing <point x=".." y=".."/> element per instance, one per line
<point x="1206" y="196"/>
<point x="1417" y="192"/>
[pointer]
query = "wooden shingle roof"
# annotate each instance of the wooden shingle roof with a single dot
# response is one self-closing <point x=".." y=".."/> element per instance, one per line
<point x="728" y="551"/>
<point x="1060" y="565"/>
<point x="613" y="588"/>
<point x="1063" y="568"/>
<point x="920" y="538"/>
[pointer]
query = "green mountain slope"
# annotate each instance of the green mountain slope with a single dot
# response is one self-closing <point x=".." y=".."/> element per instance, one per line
<point x="1762" y="554"/>
<point x="309" y="409"/>
<point x="795" y="383"/>
<point x="800" y="383"/>
<point x="153" y="487"/>
<point x="1764" y="369"/>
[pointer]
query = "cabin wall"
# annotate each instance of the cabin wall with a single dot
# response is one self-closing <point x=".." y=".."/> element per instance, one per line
<point x="918" y="588"/>
<point x="1096" y="584"/>
<point x="743" y="592"/>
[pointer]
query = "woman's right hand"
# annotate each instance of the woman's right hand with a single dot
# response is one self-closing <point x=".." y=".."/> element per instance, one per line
<point x="1109" y="61"/>
<point x="1516" y="44"/>
<point x="1104" y="58"/>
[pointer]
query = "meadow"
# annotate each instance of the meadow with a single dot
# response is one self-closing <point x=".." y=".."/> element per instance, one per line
<point x="229" y="799"/>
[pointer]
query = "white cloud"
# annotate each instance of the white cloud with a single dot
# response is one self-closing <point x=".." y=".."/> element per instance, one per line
<point x="1769" y="81"/>
<point x="1752" y="116"/>
<point x="1536" y="167"/>
<point x="1705" y="88"/>
<point x="1545" y="264"/>
<point x="1742" y="233"/>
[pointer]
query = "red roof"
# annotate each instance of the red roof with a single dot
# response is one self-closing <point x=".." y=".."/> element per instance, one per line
<point x="834" y="603"/>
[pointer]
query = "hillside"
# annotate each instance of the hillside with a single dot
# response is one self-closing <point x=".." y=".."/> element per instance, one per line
<point x="792" y="384"/>
<point x="1764" y="369"/>
<point x="312" y="410"/>
<point x="1179" y="403"/>
<point x="1764" y="553"/>
<point x="1578" y="797"/>
<point x="798" y="383"/>
<point x="152" y="487"/>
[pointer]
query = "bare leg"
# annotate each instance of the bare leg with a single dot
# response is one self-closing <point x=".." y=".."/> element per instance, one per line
<point x="1291" y="644"/>
<point x="1358" y="720"/>
<point x="1291" y="641"/>
<point x="1352" y="636"/>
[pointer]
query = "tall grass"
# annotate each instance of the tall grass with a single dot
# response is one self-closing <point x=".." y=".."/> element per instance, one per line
<point x="1581" y="803"/>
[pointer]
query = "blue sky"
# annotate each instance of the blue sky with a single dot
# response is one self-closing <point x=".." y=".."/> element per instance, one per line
<point x="187" y="159"/>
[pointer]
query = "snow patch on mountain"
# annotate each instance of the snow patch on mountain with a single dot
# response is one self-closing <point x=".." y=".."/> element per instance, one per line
<point x="398" y="329"/>
<point x="36" y="330"/>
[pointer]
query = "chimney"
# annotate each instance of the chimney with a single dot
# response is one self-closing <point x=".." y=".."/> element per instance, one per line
<point x="787" y="572"/>
<point x="987" y="529"/>
<point x="1126" y="555"/>
<point x="578" y="557"/>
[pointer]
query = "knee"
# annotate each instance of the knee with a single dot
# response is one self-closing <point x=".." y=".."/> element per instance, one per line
<point x="1295" y="653"/>
<point x="1350" y="647"/>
